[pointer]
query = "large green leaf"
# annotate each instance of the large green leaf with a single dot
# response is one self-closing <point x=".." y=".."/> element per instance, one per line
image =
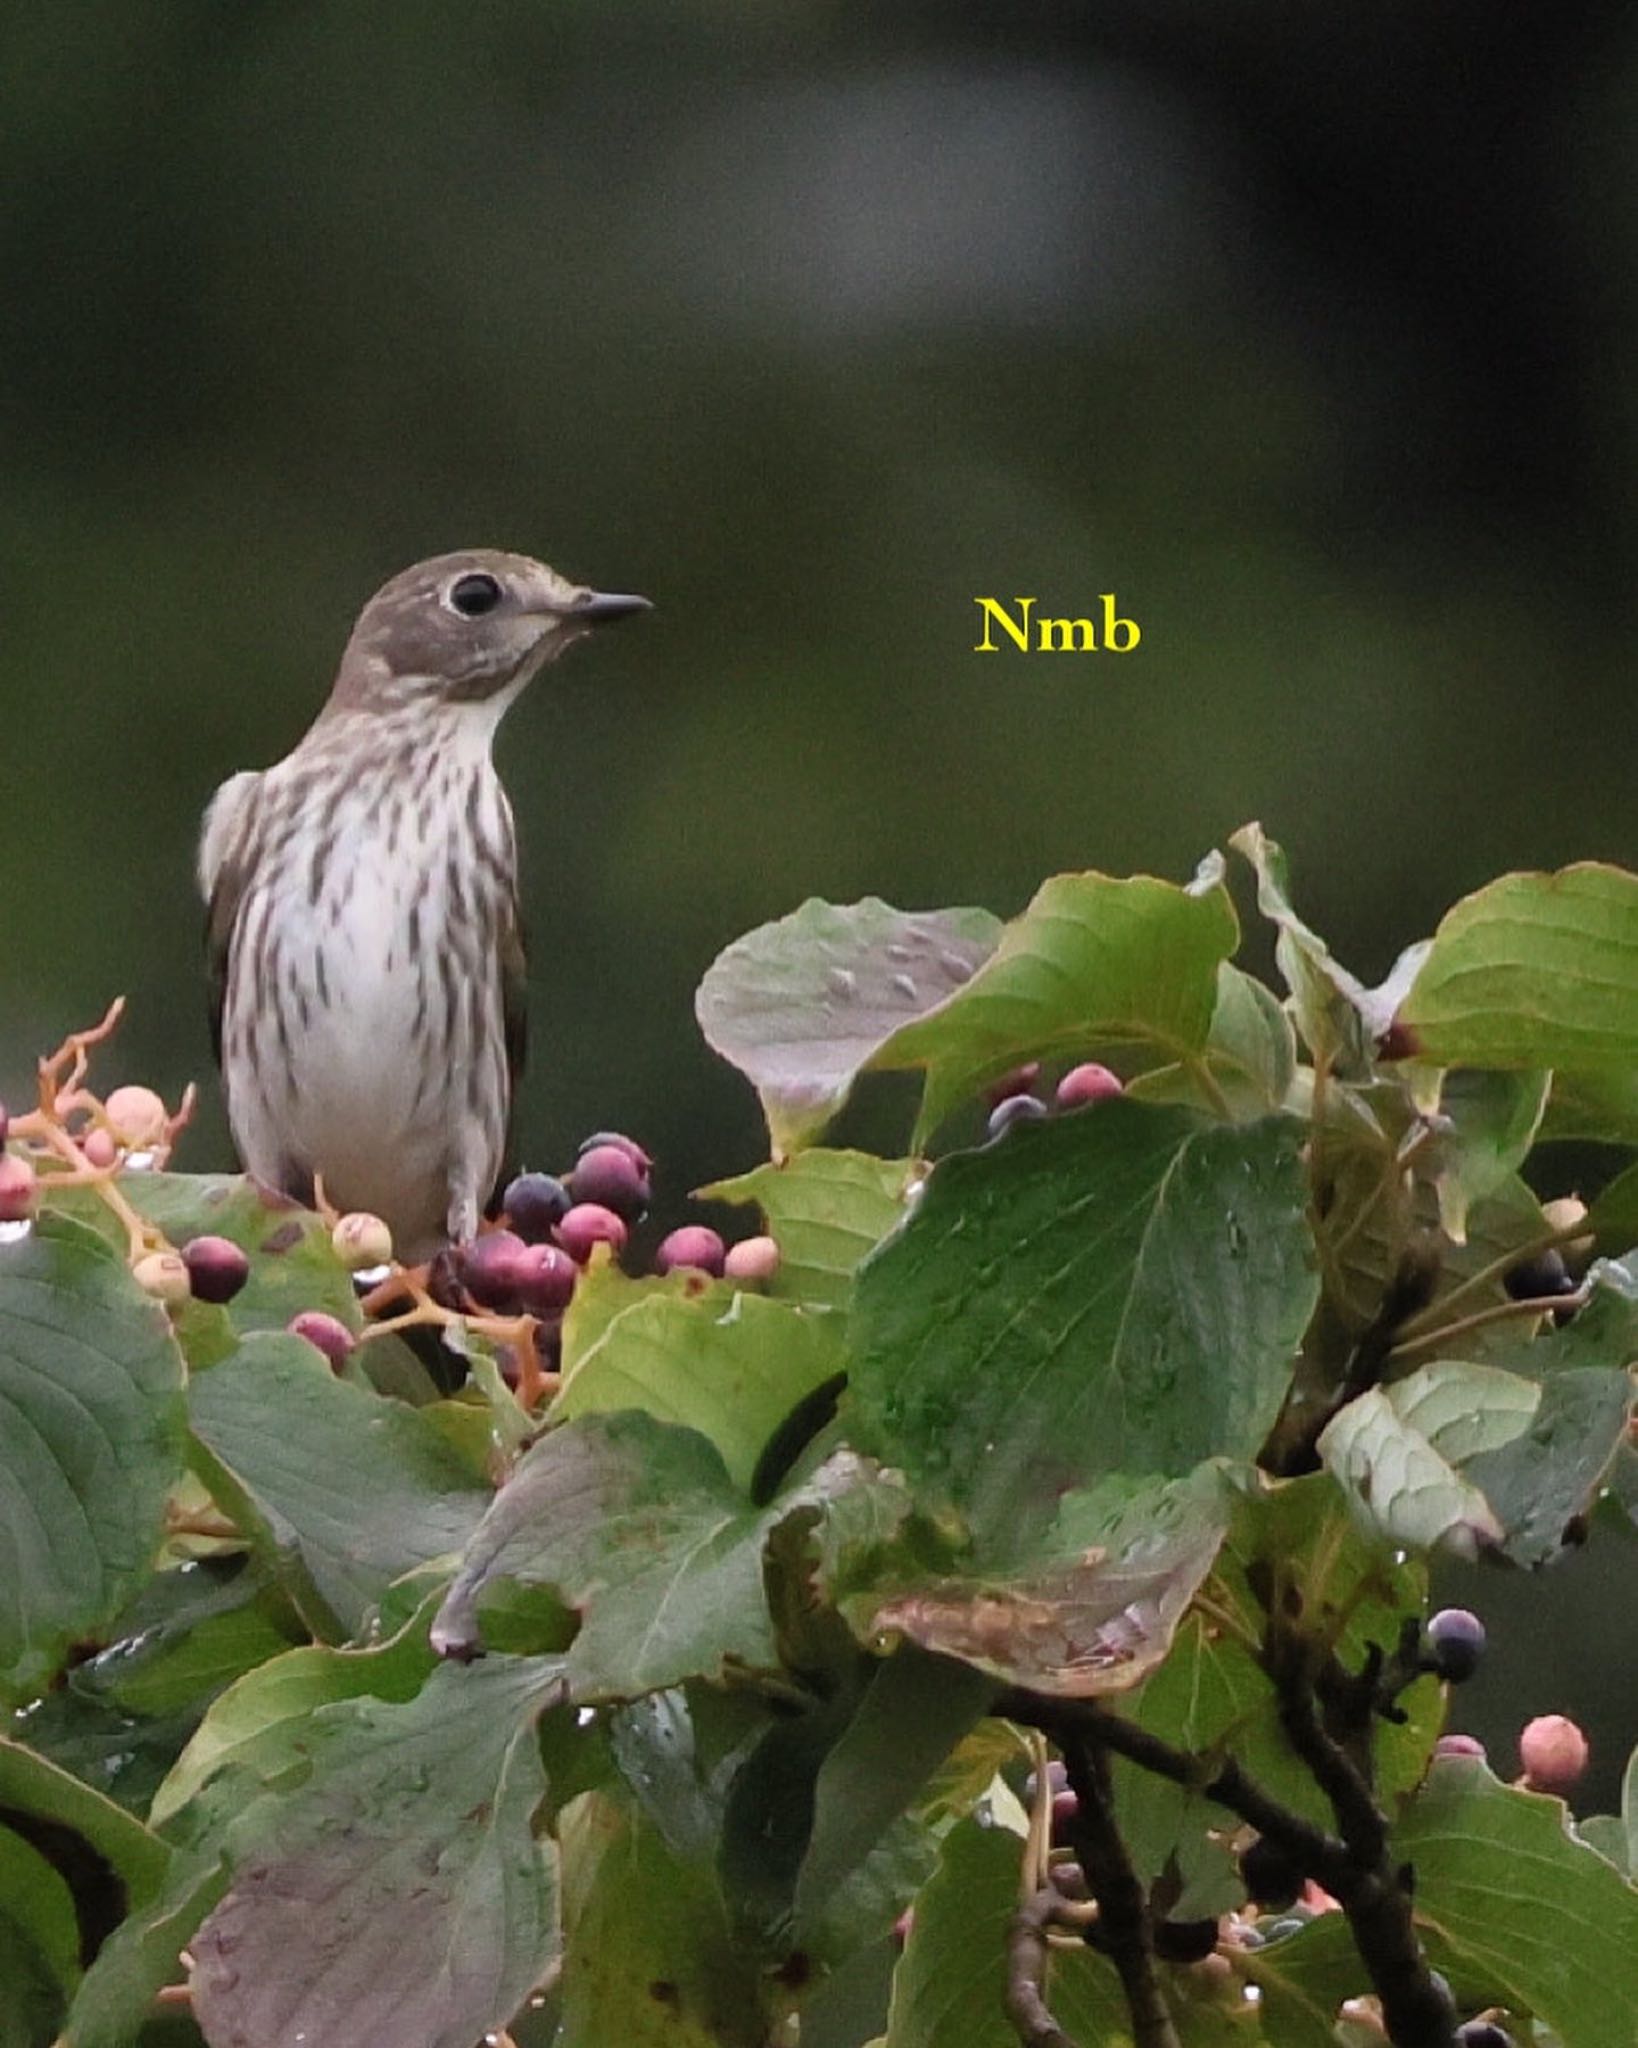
<point x="636" y="1523"/>
<point x="1093" y="962"/>
<point x="91" y="1437"/>
<point x="648" y="1960"/>
<point x="1493" y="1121"/>
<point x="354" y="1488"/>
<point x="1335" y="1012"/>
<point x="1122" y="1290"/>
<point x="1536" y="970"/>
<point x="800" y="1006"/>
<point x="732" y="1368"/>
<point x="399" y="1893"/>
<point x="1519" y="1911"/>
<point x="825" y="1210"/>
<point x="1399" y="1487"/>
<point x="1552" y="1470"/>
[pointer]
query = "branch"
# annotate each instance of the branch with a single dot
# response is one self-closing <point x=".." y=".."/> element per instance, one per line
<point x="1123" y="1909"/>
<point x="1026" y="1973"/>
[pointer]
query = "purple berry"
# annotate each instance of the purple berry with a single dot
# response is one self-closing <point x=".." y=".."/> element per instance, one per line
<point x="1455" y="1643"/>
<point x="1089" y="1082"/>
<point x="1021" y="1081"/>
<point x="325" y="1334"/>
<point x="587" y="1225"/>
<point x="1483" y="2034"/>
<point x="493" y="1269"/>
<point x="535" y="1203"/>
<point x="217" y="1268"/>
<point x="695" y="1244"/>
<point x="548" y="1280"/>
<point x="18" y="1187"/>
<point x="1016" y="1109"/>
<point x="609" y="1175"/>
<point x="618" y="1139"/>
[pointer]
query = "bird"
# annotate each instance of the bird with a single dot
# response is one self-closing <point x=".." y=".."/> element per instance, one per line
<point x="364" y="945"/>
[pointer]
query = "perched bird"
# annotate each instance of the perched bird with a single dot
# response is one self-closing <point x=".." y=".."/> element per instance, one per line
<point x="366" y="964"/>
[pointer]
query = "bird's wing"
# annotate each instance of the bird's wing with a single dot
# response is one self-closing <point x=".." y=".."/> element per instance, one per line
<point x="514" y="987"/>
<point x="222" y="875"/>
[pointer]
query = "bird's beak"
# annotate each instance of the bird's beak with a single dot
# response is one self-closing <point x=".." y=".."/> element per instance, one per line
<point x="598" y="606"/>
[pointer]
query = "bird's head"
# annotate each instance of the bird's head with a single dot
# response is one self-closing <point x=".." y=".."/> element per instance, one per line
<point x="466" y="628"/>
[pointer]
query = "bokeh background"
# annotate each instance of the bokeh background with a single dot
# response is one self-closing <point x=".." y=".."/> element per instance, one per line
<point x="1306" y="331"/>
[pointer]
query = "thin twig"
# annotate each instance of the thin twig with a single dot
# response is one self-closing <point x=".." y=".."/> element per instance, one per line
<point x="1123" y="1908"/>
<point x="1025" y="1998"/>
<point x="1503" y="1311"/>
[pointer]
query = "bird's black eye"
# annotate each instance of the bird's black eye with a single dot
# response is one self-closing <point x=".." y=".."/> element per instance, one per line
<point x="474" y="595"/>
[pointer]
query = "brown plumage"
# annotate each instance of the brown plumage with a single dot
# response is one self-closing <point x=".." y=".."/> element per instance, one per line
<point x="366" y="958"/>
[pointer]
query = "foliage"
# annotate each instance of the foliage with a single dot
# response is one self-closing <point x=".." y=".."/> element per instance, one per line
<point x="687" y="1693"/>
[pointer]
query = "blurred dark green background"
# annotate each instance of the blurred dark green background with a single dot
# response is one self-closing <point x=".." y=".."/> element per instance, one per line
<point x="1307" y="331"/>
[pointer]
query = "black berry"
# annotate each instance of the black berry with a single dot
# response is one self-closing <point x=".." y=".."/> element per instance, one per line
<point x="1483" y="2034"/>
<point x="1540" y="1278"/>
<point x="217" y="1268"/>
<point x="1456" y="1641"/>
<point x="1270" y="1875"/>
<point x="535" y="1204"/>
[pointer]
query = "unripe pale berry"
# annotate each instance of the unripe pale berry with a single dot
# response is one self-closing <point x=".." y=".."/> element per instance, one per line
<point x="1016" y="1109"/>
<point x="609" y="1175"/>
<point x="1456" y="1641"/>
<point x="137" y="1114"/>
<point x="638" y="1157"/>
<point x="1460" y="1745"/>
<point x="19" y="1184"/>
<point x="1554" y="1753"/>
<point x="548" y="1277"/>
<point x="752" y="1262"/>
<point x="217" y="1268"/>
<point x="325" y="1335"/>
<point x="101" y="1147"/>
<point x="361" y="1240"/>
<point x="493" y="1268"/>
<point x="696" y="1245"/>
<point x="1021" y="1081"/>
<point x="587" y="1225"/>
<point x="165" y="1276"/>
<point x="1089" y="1082"/>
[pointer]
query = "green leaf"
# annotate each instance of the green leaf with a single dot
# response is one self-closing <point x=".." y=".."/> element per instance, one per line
<point x="190" y="1631"/>
<point x="1613" y="1217"/>
<point x="802" y="1005"/>
<point x="1094" y="1623"/>
<point x="1520" y="1913"/>
<point x="1400" y="1490"/>
<point x="950" y="1981"/>
<point x="1335" y="1012"/>
<point x="1092" y="962"/>
<point x="37" y="1907"/>
<point x="825" y="1210"/>
<point x="732" y="1368"/>
<point x="1251" y="1050"/>
<point x="91" y="1442"/>
<point x="1600" y="1105"/>
<point x="399" y="1893"/>
<point x="354" y="1488"/>
<point x="1121" y="1290"/>
<point x="637" y="1523"/>
<point x="1536" y="970"/>
<point x="32" y="1785"/>
<point x="1464" y="1409"/>
<point x="648" y="1960"/>
<point x="1552" y="1471"/>
<point x="1495" y="1118"/>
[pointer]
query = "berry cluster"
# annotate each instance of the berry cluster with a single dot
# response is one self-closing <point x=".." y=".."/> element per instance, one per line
<point x="1016" y="1097"/>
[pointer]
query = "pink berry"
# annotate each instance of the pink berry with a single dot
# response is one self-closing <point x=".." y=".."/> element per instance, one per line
<point x="5" y="1123"/>
<point x="493" y="1268"/>
<point x="1554" y="1753"/>
<point x="137" y="1114"/>
<point x="587" y="1225"/>
<point x="1021" y="1081"/>
<point x="754" y="1260"/>
<point x="695" y="1244"/>
<point x="1089" y="1082"/>
<point x="101" y="1148"/>
<point x="1459" y="1745"/>
<point x="325" y="1334"/>
<point x="217" y="1268"/>
<point x="610" y="1176"/>
<point x="638" y="1157"/>
<point x="165" y="1276"/>
<point x="18" y="1186"/>
<point x="548" y="1280"/>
